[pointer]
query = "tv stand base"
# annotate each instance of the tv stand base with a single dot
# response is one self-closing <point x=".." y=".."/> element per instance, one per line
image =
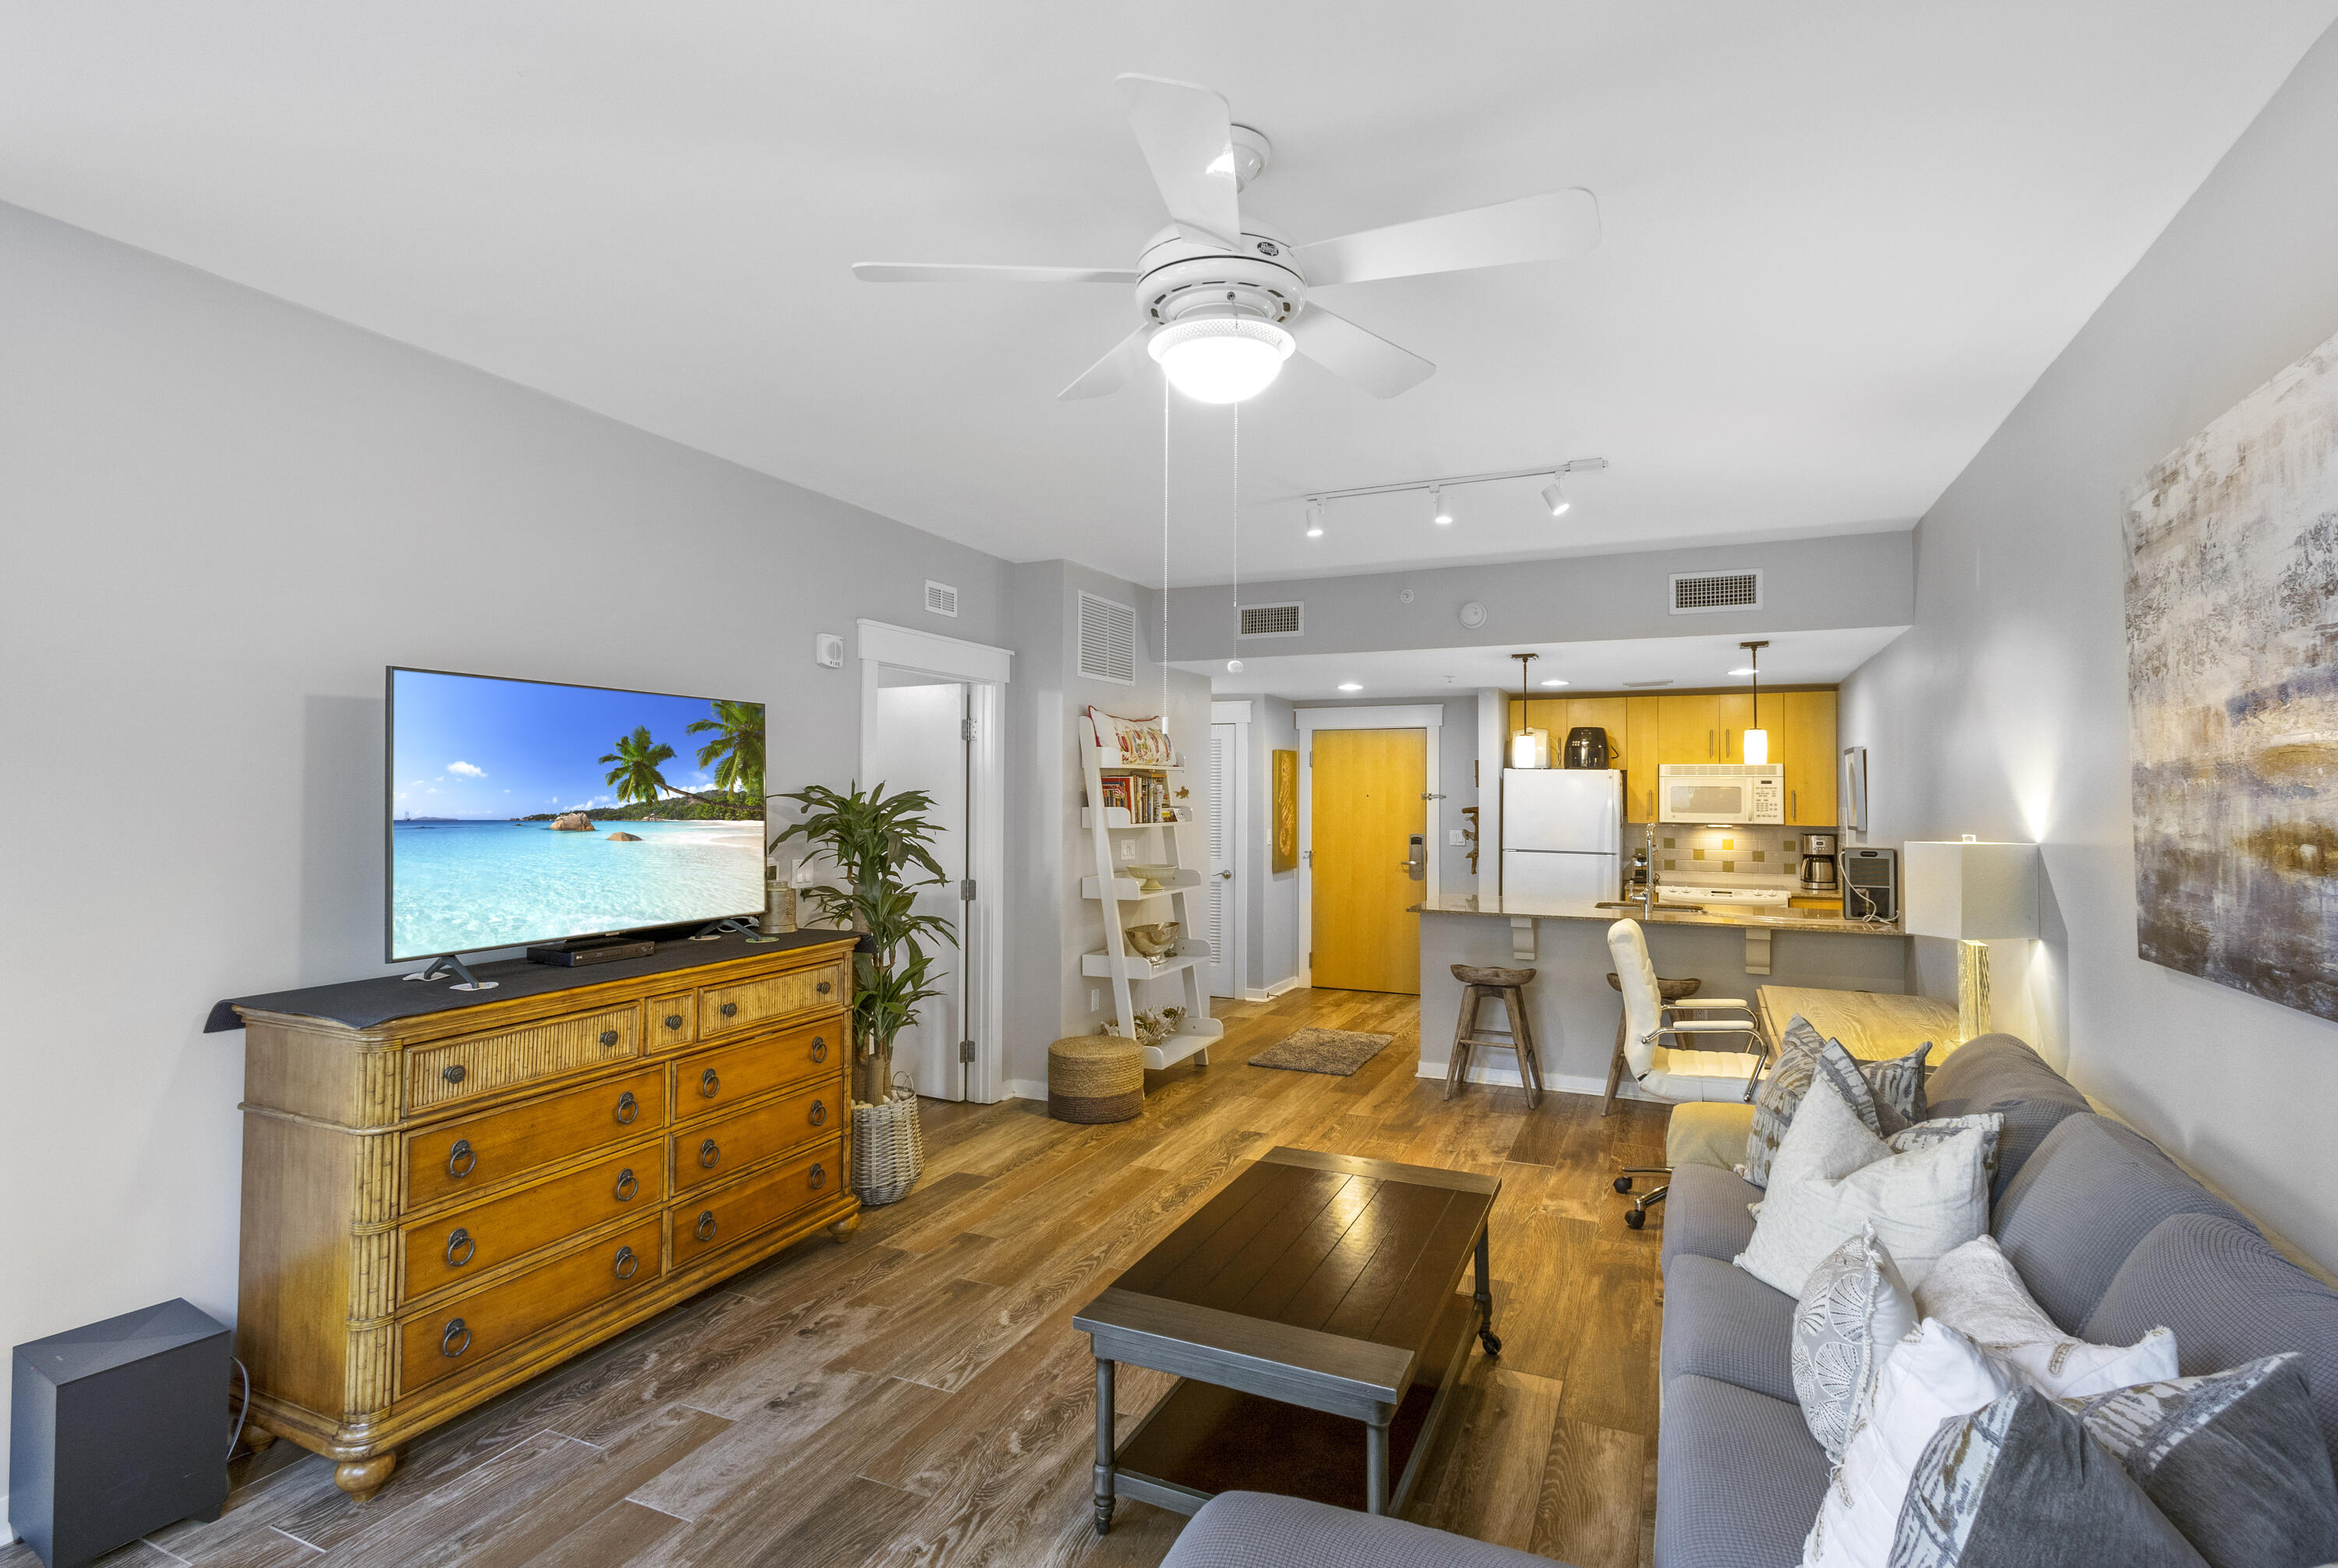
<point x="447" y="963"/>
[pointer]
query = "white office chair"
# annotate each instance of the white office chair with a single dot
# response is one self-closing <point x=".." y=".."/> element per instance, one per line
<point x="1681" y="1070"/>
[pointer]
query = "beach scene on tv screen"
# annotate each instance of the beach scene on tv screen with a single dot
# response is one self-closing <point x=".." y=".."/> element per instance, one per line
<point x="526" y="812"/>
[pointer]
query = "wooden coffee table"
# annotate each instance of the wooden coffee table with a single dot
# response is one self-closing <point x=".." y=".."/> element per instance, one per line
<point x="1312" y="1311"/>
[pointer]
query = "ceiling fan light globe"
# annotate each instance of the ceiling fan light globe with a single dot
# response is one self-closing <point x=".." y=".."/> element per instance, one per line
<point x="1220" y="359"/>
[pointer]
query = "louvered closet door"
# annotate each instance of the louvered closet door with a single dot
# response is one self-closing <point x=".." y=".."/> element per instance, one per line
<point x="1223" y="889"/>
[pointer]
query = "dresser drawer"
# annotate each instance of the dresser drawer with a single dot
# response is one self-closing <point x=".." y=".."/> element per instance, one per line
<point x="716" y="1149"/>
<point x="465" y="1069"/>
<point x="670" y="1021"/>
<point x="728" y="1009"/>
<point x="469" y="1330"/>
<point x="468" y="1242"/>
<point x="708" y="1223"/>
<point x="488" y="1150"/>
<point x="711" y="1080"/>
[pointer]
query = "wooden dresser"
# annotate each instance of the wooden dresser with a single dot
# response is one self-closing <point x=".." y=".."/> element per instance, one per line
<point x="439" y="1206"/>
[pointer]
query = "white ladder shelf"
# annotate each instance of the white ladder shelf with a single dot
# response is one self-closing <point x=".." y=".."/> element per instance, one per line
<point x="1113" y="886"/>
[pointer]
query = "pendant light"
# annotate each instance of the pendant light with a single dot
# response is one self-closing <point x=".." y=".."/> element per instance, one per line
<point x="1757" y="739"/>
<point x="1524" y="751"/>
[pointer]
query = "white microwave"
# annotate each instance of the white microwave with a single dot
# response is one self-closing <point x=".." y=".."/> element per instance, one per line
<point x="1720" y="794"/>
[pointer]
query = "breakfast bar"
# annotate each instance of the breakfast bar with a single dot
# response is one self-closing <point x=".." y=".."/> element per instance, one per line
<point x="1573" y="1008"/>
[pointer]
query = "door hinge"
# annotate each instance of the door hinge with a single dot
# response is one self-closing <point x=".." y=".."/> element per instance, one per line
<point x="965" y="728"/>
<point x="966" y="891"/>
<point x="965" y="1050"/>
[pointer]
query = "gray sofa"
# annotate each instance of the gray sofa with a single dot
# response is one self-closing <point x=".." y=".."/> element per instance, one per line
<point x="2109" y="1235"/>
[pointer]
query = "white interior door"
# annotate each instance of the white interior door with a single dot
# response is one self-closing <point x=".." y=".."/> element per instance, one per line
<point x="1224" y="886"/>
<point x="920" y="744"/>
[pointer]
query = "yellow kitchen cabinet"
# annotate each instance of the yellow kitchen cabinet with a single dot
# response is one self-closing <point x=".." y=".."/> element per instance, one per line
<point x="1736" y="717"/>
<point x="1600" y="712"/>
<point x="1639" y="764"/>
<point x="1803" y="740"/>
<point x="1689" y="728"/>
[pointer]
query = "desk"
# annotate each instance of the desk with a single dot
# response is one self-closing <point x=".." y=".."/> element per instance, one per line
<point x="1873" y="1025"/>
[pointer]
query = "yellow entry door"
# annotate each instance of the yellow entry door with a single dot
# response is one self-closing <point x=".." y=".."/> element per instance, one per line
<point x="1367" y="804"/>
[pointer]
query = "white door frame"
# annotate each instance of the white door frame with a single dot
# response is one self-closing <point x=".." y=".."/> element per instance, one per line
<point x="985" y="671"/>
<point x="1429" y="716"/>
<point x="1240" y="810"/>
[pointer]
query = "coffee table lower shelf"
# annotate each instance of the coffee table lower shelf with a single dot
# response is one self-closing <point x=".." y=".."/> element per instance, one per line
<point x="1203" y="1439"/>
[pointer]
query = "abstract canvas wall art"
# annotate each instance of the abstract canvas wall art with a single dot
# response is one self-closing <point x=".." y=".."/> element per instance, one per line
<point x="1286" y="811"/>
<point x="2232" y="630"/>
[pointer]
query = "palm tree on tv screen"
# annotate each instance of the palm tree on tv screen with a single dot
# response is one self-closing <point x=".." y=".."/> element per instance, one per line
<point x="735" y="752"/>
<point x="637" y="758"/>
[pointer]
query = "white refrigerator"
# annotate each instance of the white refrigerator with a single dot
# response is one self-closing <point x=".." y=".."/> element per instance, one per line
<point x="1562" y="833"/>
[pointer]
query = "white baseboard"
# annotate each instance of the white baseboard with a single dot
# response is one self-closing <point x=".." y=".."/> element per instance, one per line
<point x="1024" y="1089"/>
<point x="1279" y="988"/>
<point x="1557" y="1082"/>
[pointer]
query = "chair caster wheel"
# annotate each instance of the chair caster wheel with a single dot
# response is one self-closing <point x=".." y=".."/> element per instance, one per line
<point x="1623" y="1183"/>
<point x="1493" y="1342"/>
<point x="1635" y="1218"/>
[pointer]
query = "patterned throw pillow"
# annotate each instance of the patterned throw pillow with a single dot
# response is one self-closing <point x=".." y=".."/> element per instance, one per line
<point x="1977" y="1292"/>
<point x="1888" y="1095"/>
<point x="2235" y="1459"/>
<point x="1898" y="1086"/>
<point x="1853" y="1314"/>
<point x="2019" y="1484"/>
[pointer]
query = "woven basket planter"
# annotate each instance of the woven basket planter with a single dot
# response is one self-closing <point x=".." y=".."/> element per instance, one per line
<point x="1094" y="1078"/>
<point x="888" y="1151"/>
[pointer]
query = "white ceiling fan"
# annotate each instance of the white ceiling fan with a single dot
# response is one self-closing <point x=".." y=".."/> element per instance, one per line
<point x="1225" y="301"/>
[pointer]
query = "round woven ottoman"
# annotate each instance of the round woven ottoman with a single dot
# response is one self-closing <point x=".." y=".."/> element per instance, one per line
<point x="1095" y="1078"/>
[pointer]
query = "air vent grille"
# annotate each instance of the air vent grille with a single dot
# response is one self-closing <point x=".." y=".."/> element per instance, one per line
<point x="1647" y="682"/>
<point x="1107" y="641"/>
<point x="942" y="598"/>
<point x="1697" y="593"/>
<point x="1272" y="619"/>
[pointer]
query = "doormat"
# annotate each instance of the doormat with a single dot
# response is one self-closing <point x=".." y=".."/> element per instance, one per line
<point x="1339" y="1052"/>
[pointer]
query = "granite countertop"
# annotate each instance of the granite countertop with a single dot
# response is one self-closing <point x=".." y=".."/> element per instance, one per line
<point x="1548" y="909"/>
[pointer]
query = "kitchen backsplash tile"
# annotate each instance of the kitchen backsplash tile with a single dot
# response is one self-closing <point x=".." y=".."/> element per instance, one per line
<point x="1720" y="857"/>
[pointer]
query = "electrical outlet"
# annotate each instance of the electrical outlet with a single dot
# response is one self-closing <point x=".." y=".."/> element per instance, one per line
<point x="1128" y="848"/>
<point x="1095" y="998"/>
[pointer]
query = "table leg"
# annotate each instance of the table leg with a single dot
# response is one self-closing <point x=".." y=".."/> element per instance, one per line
<point x="1376" y="1467"/>
<point x="1484" y="1295"/>
<point x="1104" y="1455"/>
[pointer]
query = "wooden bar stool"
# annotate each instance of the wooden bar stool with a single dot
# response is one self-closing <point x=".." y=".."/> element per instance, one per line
<point x="1506" y="986"/>
<point x="1674" y="990"/>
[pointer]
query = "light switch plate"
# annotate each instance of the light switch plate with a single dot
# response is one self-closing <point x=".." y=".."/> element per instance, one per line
<point x="1455" y="836"/>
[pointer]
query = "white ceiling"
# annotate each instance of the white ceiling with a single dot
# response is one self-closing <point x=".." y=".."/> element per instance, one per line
<point x="1791" y="658"/>
<point x="1841" y="239"/>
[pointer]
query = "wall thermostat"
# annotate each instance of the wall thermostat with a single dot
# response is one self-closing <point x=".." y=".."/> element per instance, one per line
<point x="1473" y="614"/>
<point x="828" y="649"/>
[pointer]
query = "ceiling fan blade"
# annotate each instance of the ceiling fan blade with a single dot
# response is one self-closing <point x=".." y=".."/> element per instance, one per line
<point x="1187" y="133"/>
<point x="1555" y="226"/>
<point x="1111" y="372"/>
<point x="952" y="272"/>
<point x="1352" y="354"/>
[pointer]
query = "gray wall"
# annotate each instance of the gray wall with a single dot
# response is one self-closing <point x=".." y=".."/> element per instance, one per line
<point x="1857" y="580"/>
<point x="1273" y="895"/>
<point x="2004" y="712"/>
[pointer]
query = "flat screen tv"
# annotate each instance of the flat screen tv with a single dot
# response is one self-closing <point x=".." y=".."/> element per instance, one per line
<point x="527" y="811"/>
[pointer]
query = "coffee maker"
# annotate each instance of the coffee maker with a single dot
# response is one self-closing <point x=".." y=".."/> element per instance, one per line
<point x="1818" y="864"/>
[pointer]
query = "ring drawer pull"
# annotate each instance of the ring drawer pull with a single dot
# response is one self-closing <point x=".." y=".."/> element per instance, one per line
<point x="709" y="1153"/>
<point x="627" y="1108"/>
<point x="818" y="1112"/>
<point x="453" y="1074"/>
<point x="608" y="1036"/>
<point x="459" y="1248"/>
<point x="822" y="987"/>
<point x="729" y="1009"/>
<point x="673" y="1020"/>
<point x="818" y="1177"/>
<point x="706" y="1225"/>
<point x="709" y="1084"/>
<point x="461" y="1159"/>
<point x="820" y="1047"/>
<point x="628" y="1263"/>
<point x="455" y="1340"/>
<point x="626" y="1186"/>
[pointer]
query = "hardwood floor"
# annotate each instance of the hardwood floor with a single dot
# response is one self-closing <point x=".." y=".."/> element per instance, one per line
<point x="916" y="1396"/>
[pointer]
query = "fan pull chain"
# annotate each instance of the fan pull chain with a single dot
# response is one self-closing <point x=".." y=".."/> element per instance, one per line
<point x="1165" y="552"/>
<point x="1234" y="522"/>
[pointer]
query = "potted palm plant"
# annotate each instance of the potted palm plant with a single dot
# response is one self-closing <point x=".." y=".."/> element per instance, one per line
<point x="878" y="842"/>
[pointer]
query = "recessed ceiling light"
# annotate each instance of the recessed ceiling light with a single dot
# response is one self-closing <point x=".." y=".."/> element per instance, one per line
<point x="1350" y="686"/>
<point x="1554" y="682"/>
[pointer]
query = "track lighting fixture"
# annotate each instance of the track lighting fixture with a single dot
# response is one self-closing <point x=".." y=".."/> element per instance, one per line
<point x="1554" y="495"/>
<point x="1440" y="507"/>
<point x="1315" y="518"/>
<point x="1439" y="513"/>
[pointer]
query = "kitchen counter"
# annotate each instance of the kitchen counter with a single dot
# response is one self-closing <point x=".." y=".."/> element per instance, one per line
<point x="1744" y="916"/>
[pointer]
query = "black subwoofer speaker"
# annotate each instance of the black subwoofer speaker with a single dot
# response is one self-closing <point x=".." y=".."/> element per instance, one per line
<point x="117" y="1429"/>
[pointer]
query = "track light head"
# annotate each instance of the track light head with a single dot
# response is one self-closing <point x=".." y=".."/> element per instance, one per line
<point x="1315" y="519"/>
<point x="1554" y="495"/>
<point x="1439" y="513"/>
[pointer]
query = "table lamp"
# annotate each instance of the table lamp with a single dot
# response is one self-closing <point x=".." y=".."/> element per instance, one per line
<point x="1976" y="894"/>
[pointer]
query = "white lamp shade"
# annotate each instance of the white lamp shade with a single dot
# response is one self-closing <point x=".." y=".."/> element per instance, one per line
<point x="1757" y="746"/>
<point x="1973" y="892"/>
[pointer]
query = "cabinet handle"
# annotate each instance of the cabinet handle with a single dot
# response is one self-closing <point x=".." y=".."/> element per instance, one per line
<point x="820" y="1047"/>
<point x="818" y="1112"/>
<point x="460" y="1242"/>
<point x="729" y="1009"/>
<point x="709" y="1153"/>
<point x="608" y="1036"/>
<point x="673" y="1020"/>
<point x="822" y="987"/>
<point x="1794" y="804"/>
<point x="626" y="1186"/>
<point x="709" y="1084"/>
<point x="627" y="1108"/>
<point x="461" y="1157"/>
<point x="1708" y="745"/>
<point x="627" y="1263"/>
<point x="455" y="1075"/>
<point x="706" y="1225"/>
<point x="818" y="1177"/>
<point x="455" y="1340"/>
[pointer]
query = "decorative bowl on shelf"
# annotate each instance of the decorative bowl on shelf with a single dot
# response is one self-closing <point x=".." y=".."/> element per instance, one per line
<point x="1154" y="941"/>
<point x="1150" y="877"/>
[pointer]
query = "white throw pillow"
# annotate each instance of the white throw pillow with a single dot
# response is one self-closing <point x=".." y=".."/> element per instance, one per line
<point x="1977" y="1292"/>
<point x="1852" y="1316"/>
<point x="1832" y="1176"/>
<point x="1936" y="1374"/>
